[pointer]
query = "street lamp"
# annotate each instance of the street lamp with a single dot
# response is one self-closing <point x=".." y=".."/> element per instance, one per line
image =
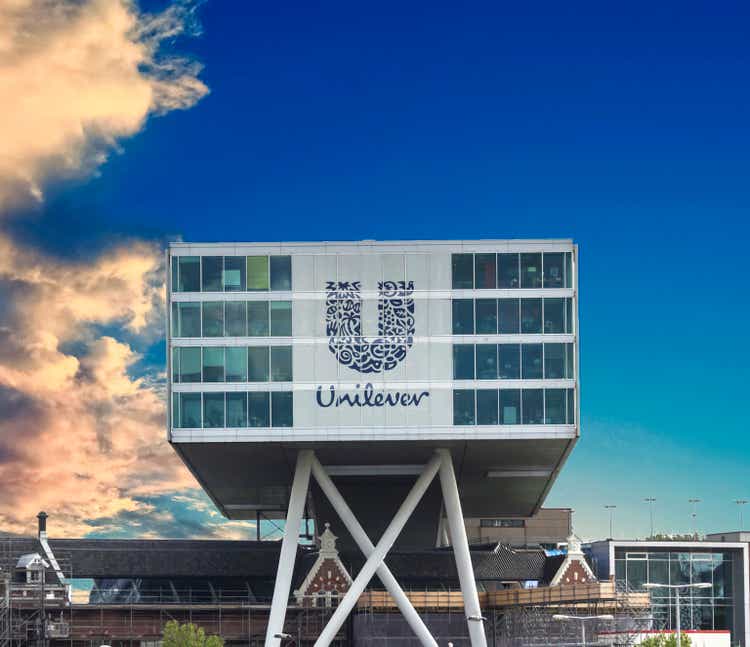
<point x="651" y="500"/>
<point x="740" y="503"/>
<point x="583" y="620"/>
<point x="692" y="502"/>
<point x="611" y="509"/>
<point x="677" y="587"/>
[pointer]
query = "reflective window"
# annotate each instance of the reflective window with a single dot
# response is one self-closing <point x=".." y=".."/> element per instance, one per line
<point x="259" y="409"/>
<point x="281" y="318"/>
<point x="554" y="315"/>
<point x="554" y="403"/>
<point x="190" y="410"/>
<point x="463" y="407"/>
<point x="486" y="316"/>
<point x="463" y="271"/>
<point x="510" y="406"/>
<point x="553" y="270"/>
<point x="235" y="314"/>
<point x="236" y="409"/>
<point x="212" y="269"/>
<point x="487" y="407"/>
<point x="281" y="272"/>
<point x="257" y="273"/>
<point x="484" y="271"/>
<point x="189" y="274"/>
<point x="281" y="409"/>
<point x="571" y="407"/>
<point x="234" y="274"/>
<point x="175" y="319"/>
<point x="257" y="364"/>
<point x="236" y="362"/>
<point x="510" y="361"/>
<point x="531" y="315"/>
<point x="554" y="361"/>
<point x="463" y="317"/>
<point x="213" y="318"/>
<point x="213" y="364"/>
<point x="190" y="364"/>
<point x="486" y="362"/>
<point x="531" y="270"/>
<point x="532" y="406"/>
<point x="531" y="361"/>
<point x="509" y="318"/>
<point x="507" y="270"/>
<point x="463" y="361"/>
<point x="213" y="410"/>
<point x="257" y="318"/>
<point x="189" y="316"/>
<point x="281" y="363"/>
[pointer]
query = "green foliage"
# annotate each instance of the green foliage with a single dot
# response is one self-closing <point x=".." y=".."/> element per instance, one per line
<point x="665" y="640"/>
<point x="188" y="635"/>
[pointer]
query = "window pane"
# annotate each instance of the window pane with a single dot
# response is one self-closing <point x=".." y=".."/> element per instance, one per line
<point x="510" y="361"/>
<point x="568" y="315"/>
<point x="190" y="410"/>
<point x="236" y="409"/>
<point x="213" y="410"/>
<point x="554" y="412"/>
<point x="486" y="362"/>
<point x="281" y="318"/>
<point x="175" y="319"/>
<point x="281" y="409"/>
<point x="212" y="270"/>
<point x="281" y="272"/>
<point x="569" y="362"/>
<point x="189" y="279"/>
<point x="463" y="317"/>
<point x="510" y="407"/>
<point x="235" y="313"/>
<point x="554" y="361"/>
<point x="486" y="316"/>
<point x="190" y="364"/>
<point x="486" y="407"/>
<point x="554" y="316"/>
<point x="213" y="319"/>
<point x="259" y="410"/>
<point x="553" y="270"/>
<point x="175" y="365"/>
<point x="463" y="407"/>
<point x="463" y="271"/>
<point x="484" y="271"/>
<point x="190" y="319"/>
<point x="236" y="361"/>
<point x="531" y="270"/>
<point x="568" y="270"/>
<point x="507" y="270"/>
<point x="234" y="274"/>
<point x="257" y="364"/>
<point x="532" y="406"/>
<point x="463" y="362"/>
<point x="531" y="361"/>
<point x="281" y="364"/>
<point x="175" y="274"/>
<point x="213" y="364"/>
<point x="257" y="318"/>
<point x="175" y="410"/>
<point x="571" y="407"/>
<point x="531" y="315"/>
<point x="508" y="310"/>
<point x="257" y="273"/>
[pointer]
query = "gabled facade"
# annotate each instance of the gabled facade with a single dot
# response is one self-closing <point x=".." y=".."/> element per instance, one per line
<point x="328" y="580"/>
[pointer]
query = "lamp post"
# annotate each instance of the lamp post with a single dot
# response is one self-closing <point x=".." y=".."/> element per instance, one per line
<point x="611" y="509"/>
<point x="677" y="587"/>
<point x="583" y="620"/>
<point x="651" y="500"/>
<point x="740" y="503"/>
<point x="693" y="502"/>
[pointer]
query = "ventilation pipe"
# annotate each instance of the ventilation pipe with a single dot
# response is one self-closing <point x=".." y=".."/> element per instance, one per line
<point x="42" y="517"/>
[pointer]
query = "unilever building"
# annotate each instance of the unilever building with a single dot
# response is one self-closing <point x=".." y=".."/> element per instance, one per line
<point x="375" y="366"/>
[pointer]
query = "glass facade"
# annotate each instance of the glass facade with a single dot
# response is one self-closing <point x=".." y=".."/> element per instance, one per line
<point x="513" y="361"/>
<point x="232" y="409"/>
<point x="232" y="319"/>
<point x="231" y="273"/>
<point x="512" y="316"/>
<point x="231" y="364"/>
<point x="504" y="271"/>
<point x="513" y="407"/>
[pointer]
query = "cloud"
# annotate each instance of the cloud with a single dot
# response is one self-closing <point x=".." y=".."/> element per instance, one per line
<point x="76" y="77"/>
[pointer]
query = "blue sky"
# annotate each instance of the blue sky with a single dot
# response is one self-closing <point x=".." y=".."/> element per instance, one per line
<point x="624" y="128"/>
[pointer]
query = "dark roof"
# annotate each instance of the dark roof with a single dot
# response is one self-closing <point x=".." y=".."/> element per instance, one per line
<point x="551" y="566"/>
<point x="505" y="563"/>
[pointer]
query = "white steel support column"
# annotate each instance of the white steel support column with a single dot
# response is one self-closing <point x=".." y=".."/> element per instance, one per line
<point x="365" y="545"/>
<point x="461" y="550"/>
<point x="378" y="554"/>
<point x="288" y="554"/>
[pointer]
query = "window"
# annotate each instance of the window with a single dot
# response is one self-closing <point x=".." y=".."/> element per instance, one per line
<point x="213" y="319"/>
<point x="281" y="272"/>
<point x="510" y="406"/>
<point x="189" y="319"/>
<point x="463" y="317"/>
<point x="235" y="315"/>
<point x="507" y="270"/>
<point x="190" y="410"/>
<point x="257" y="364"/>
<point x="463" y="407"/>
<point x="190" y="364"/>
<point x="554" y="412"/>
<point x="281" y="318"/>
<point x="553" y="270"/>
<point x="532" y="406"/>
<point x="569" y="361"/>
<point x="213" y="364"/>
<point x="463" y="362"/>
<point x="531" y="315"/>
<point x="234" y="274"/>
<point x="236" y="363"/>
<point x="501" y="523"/>
<point x="571" y="407"/>
<point x="281" y="364"/>
<point x="486" y="362"/>
<point x="554" y="361"/>
<point x="531" y="270"/>
<point x="568" y="270"/>
<point x="510" y="361"/>
<point x="486" y="407"/>
<point x="213" y="410"/>
<point x="531" y="361"/>
<point x="189" y="274"/>
<point x="236" y="409"/>
<point x="486" y="317"/>
<point x="257" y="273"/>
<point x="281" y="408"/>
<point x="463" y="271"/>
<point x="508" y="310"/>
<point x="554" y="316"/>
<point x="484" y="271"/>
<point x="257" y="318"/>
<point x="211" y="272"/>
<point x="259" y="414"/>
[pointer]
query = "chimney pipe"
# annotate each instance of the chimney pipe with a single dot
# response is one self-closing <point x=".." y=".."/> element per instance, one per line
<point x="42" y="516"/>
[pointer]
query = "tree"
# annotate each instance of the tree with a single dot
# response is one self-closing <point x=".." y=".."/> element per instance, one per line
<point x="666" y="640"/>
<point x="188" y="635"/>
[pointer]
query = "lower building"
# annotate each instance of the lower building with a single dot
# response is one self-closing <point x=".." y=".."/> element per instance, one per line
<point x="546" y="529"/>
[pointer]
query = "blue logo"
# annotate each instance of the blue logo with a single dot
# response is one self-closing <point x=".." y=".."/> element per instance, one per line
<point x="395" y="325"/>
